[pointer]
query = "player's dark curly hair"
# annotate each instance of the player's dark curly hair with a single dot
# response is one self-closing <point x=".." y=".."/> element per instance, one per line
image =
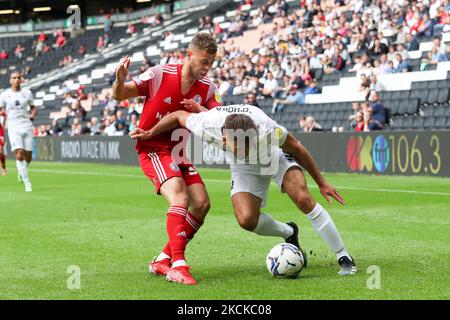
<point x="204" y="41"/>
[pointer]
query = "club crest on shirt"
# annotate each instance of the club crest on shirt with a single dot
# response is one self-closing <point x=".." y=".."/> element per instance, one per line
<point x="174" y="167"/>
<point x="147" y="75"/>
<point x="197" y="98"/>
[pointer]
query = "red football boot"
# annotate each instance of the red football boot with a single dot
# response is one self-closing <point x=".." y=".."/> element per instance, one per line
<point x="181" y="274"/>
<point x="159" y="268"/>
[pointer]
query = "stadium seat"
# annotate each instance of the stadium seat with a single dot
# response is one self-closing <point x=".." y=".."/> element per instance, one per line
<point x="413" y="106"/>
<point x="428" y="122"/>
<point x="432" y="96"/>
<point x="443" y="95"/>
<point x="418" y="123"/>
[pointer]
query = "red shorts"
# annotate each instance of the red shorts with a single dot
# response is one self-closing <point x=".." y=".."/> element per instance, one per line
<point x="160" y="167"/>
<point x="2" y="140"/>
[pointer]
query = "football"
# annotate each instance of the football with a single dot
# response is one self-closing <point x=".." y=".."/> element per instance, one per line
<point x="285" y="260"/>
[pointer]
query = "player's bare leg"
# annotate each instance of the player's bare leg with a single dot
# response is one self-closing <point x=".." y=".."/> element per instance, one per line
<point x="247" y="209"/>
<point x="200" y="204"/>
<point x="22" y="168"/>
<point x="2" y="159"/>
<point x="28" y="156"/>
<point x="294" y="184"/>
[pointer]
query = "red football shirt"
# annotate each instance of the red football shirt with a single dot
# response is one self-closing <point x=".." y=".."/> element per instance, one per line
<point x="161" y="86"/>
<point x="2" y="118"/>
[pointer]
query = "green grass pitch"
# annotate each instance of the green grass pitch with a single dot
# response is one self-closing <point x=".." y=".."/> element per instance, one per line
<point x="107" y="221"/>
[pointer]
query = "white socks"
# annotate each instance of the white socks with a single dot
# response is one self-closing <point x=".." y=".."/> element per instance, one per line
<point x="268" y="227"/>
<point x="163" y="256"/>
<point x="179" y="263"/>
<point x="23" y="170"/>
<point x="324" y="226"/>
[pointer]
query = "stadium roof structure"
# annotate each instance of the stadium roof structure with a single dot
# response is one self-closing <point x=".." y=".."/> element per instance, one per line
<point x="22" y="11"/>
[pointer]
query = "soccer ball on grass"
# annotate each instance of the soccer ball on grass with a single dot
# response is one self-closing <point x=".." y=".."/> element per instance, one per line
<point x="285" y="260"/>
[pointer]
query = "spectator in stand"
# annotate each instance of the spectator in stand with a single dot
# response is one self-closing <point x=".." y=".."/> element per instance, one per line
<point x="359" y="123"/>
<point x="367" y="121"/>
<point x="391" y="68"/>
<point x="426" y="27"/>
<point x="311" y="125"/>
<point x="42" y="37"/>
<point x="107" y="26"/>
<point x="4" y="55"/>
<point x="378" y="117"/>
<point x="365" y="83"/>
<point x="402" y="65"/>
<point x="294" y="97"/>
<point x="55" y="128"/>
<point x="270" y="86"/>
<point x="110" y="124"/>
<point x="18" y="51"/>
<point x="133" y="122"/>
<point x="311" y="87"/>
<point x="75" y="128"/>
<point x="60" y="41"/>
<point x="251" y="100"/>
<point x="39" y="48"/>
<point x="412" y="44"/>
<point x="131" y="29"/>
<point x="95" y="126"/>
<point x="82" y="50"/>
<point x="356" y="106"/>
<point x="66" y="61"/>
<point x="106" y="39"/>
<point x="375" y="85"/>
<point x="100" y="44"/>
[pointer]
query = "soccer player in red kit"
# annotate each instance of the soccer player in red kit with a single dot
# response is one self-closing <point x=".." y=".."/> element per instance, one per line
<point x="169" y="88"/>
<point x="2" y="141"/>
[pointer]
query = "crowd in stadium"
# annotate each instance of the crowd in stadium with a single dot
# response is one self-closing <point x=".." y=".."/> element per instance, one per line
<point x="300" y="50"/>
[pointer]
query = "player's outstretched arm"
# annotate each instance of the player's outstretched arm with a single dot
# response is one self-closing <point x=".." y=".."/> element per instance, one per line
<point x="169" y="122"/>
<point x="302" y="155"/>
<point x="33" y="112"/>
<point x="122" y="90"/>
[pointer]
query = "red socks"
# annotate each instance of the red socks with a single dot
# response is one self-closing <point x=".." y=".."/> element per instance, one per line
<point x="179" y="221"/>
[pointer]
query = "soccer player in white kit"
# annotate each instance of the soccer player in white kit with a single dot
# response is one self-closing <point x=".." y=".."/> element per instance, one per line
<point x="20" y="113"/>
<point x="225" y="127"/>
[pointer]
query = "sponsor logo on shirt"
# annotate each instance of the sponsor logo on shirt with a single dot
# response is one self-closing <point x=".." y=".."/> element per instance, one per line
<point x="168" y="100"/>
<point x="192" y="171"/>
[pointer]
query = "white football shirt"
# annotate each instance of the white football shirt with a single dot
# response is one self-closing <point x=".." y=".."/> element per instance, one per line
<point x="17" y="105"/>
<point x="208" y="125"/>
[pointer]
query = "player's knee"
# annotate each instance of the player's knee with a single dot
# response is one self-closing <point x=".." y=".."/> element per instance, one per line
<point x="203" y="206"/>
<point x="20" y="155"/>
<point x="247" y="222"/>
<point x="304" y="200"/>
<point x="180" y="200"/>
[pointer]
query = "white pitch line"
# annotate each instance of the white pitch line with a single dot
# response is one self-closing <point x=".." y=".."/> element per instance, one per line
<point x="139" y="176"/>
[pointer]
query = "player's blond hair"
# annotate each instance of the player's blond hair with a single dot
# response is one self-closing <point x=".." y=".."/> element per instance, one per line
<point x="205" y="42"/>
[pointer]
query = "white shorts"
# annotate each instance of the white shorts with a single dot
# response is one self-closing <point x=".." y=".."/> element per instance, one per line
<point x="21" y="138"/>
<point x="252" y="182"/>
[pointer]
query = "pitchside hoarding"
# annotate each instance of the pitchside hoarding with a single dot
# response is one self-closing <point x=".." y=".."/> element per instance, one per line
<point x="392" y="153"/>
